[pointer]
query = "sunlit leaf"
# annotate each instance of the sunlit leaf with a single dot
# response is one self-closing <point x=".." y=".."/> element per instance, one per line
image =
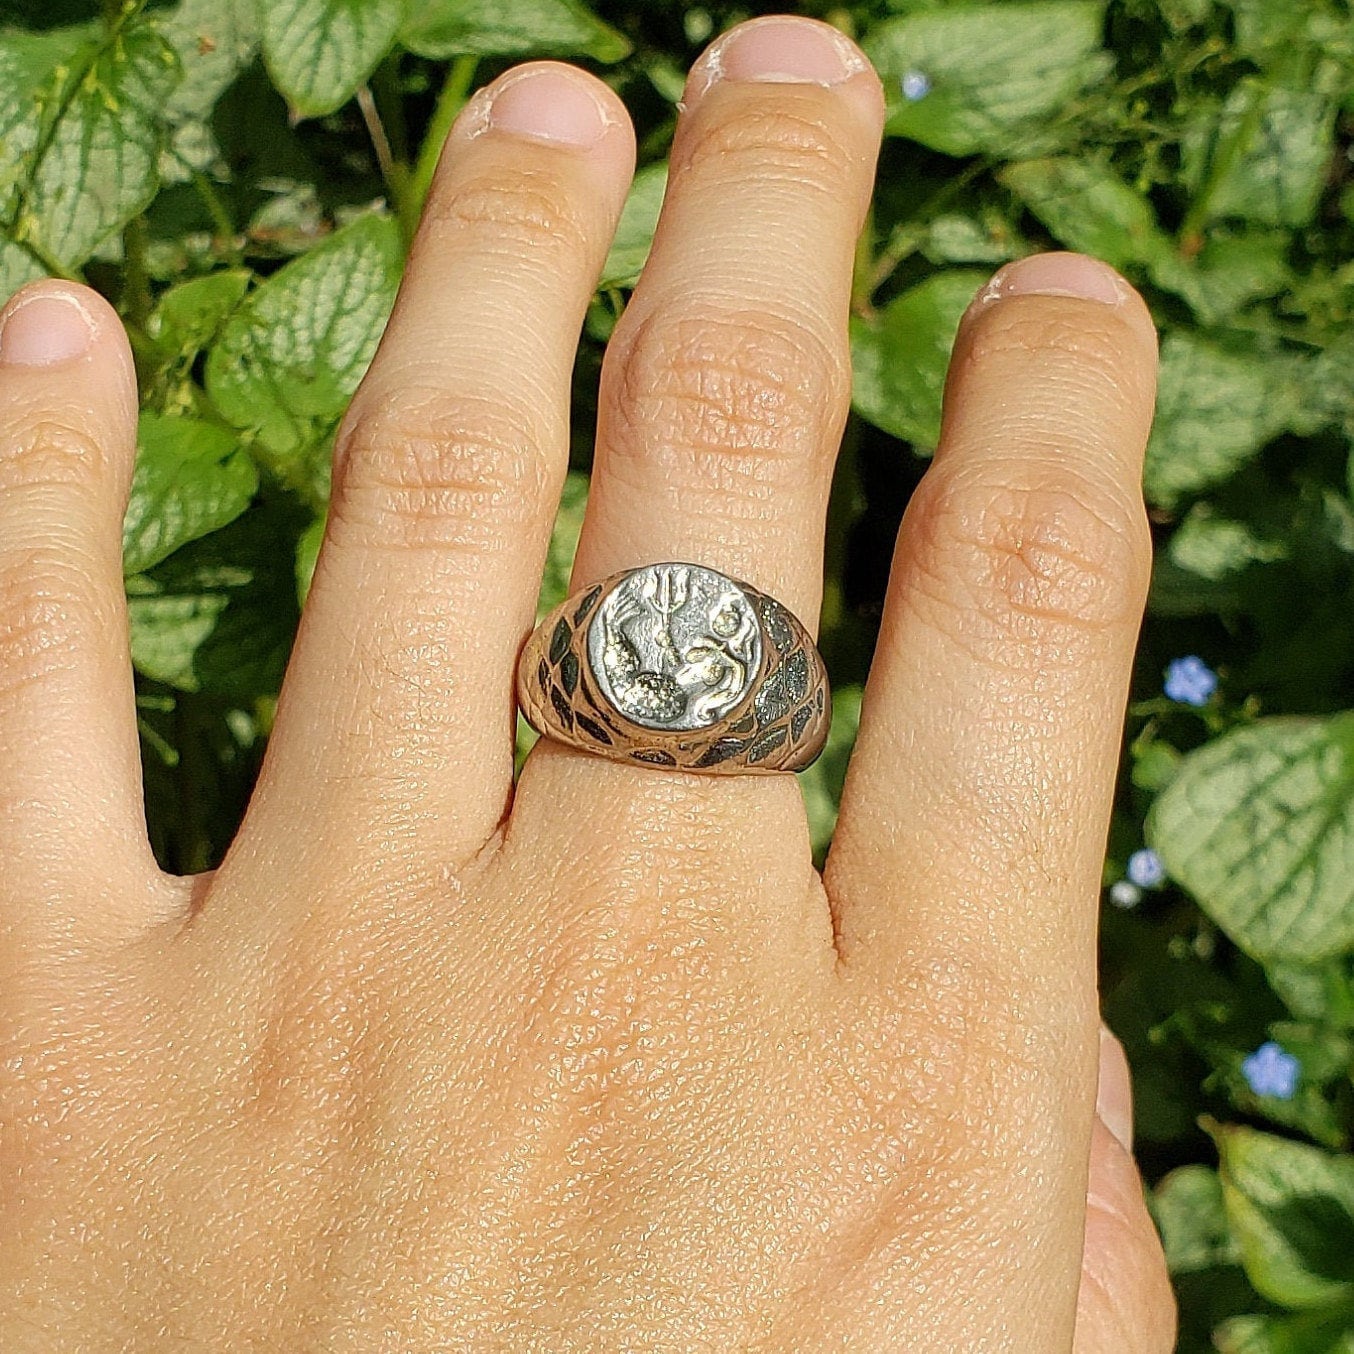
<point x="443" y="28"/>
<point x="80" y="143"/>
<point x="900" y="355"/>
<point x="1215" y="409"/>
<point x="1263" y="155"/>
<point x="634" y="234"/>
<point x="289" y="358"/>
<point x="319" y="51"/>
<point x="992" y="70"/>
<point x="191" y="478"/>
<point x="1291" y="1209"/>
<point x="1259" y="826"/>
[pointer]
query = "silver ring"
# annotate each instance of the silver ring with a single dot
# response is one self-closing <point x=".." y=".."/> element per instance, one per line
<point x="678" y="666"/>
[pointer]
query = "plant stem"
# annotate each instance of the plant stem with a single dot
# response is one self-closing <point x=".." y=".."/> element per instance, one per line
<point x="394" y="172"/>
<point x="862" y="269"/>
<point x="216" y="209"/>
<point x="907" y="235"/>
<point x="193" y="841"/>
<point x="1223" y="161"/>
<point x="450" y="101"/>
<point x="136" y="295"/>
<point x="385" y="89"/>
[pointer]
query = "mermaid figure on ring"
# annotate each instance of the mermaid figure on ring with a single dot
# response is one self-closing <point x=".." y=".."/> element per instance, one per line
<point x="658" y="676"/>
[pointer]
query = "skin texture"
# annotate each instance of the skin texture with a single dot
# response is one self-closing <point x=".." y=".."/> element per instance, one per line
<point x="600" y="1063"/>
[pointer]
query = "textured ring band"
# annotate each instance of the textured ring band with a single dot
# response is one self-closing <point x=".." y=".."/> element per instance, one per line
<point x="677" y="665"/>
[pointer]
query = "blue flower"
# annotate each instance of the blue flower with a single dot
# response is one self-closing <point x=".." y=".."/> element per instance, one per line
<point x="1145" y="869"/>
<point x="916" y="85"/>
<point x="1125" y="894"/>
<point x="1190" y="680"/>
<point x="1271" y="1071"/>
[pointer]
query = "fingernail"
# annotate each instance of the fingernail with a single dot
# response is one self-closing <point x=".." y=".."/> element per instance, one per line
<point x="40" y="330"/>
<point x="548" y="103"/>
<point x="1058" y="275"/>
<point x="785" y="51"/>
<point x="1114" y="1091"/>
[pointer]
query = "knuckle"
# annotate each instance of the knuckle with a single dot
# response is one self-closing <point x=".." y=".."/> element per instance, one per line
<point x="511" y="210"/>
<point x="433" y="469"/>
<point x="47" y="452"/>
<point x="48" y="607"/>
<point x="1027" y="554"/>
<point x="800" y="142"/>
<point x="730" y="401"/>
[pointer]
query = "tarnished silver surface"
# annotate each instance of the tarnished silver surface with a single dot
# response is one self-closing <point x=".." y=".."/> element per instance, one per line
<point x="677" y="666"/>
<point x="675" y="646"/>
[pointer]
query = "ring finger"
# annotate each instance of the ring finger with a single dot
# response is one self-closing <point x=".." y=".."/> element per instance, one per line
<point x="727" y="381"/>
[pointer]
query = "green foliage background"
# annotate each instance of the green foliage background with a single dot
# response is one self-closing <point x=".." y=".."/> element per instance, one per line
<point x="242" y="179"/>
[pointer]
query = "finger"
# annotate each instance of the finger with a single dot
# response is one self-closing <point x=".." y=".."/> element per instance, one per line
<point x="1125" y="1304"/>
<point x="72" y="831"/>
<point x="726" y="383"/>
<point x="398" y="700"/>
<point x="975" y="811"/>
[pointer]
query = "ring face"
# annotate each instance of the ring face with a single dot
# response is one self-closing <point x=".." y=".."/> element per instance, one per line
<point x="675" y="646"/>
<point x="678" y="666"/>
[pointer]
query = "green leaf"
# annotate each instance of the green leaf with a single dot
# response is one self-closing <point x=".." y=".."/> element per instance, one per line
<point x="995" y="69"/>
<point x="218" y="616"/>
<point x="17" y="267"/>
<point x="1323" y="992"/>
<point x="1321" y="1332"/>
<point x="307" y="556"/>
<point x="1231" y="270"/>
<point x="1259" y="827"/>
<point x="1269" y="31"/>
<point x="1155" y="763"/>
<point x="189" y="315"/>
<point x="634" y="234"/>
<point x="509" y="28"/>
<point x="319" y="51"/>
<point x="953" y="237"/>
<point x="87" y="143"/>
<point x="1183" y="14"/>
<point x="1204" y="1260"/>
<point x="214" y="40"/>
<point x="191" y="478"/>
<point x="1188" y="1209"/>
<point x="821" y="784"/>
<point x="1088" y="207"/>
<point x="1215" y="409"/>
<point x="33" y="66"/>
<point x="289" y="359"/>
<point x="1263" y="155"/>
<point x="559" y="560"/>
<point x="900" y="356"/>
<point x="1207" y="563"/>
<point x="559" y="567"/>
<point x="1291" y="1209"/>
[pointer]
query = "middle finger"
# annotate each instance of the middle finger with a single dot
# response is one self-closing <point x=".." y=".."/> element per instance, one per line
<point x="727" y="381"/>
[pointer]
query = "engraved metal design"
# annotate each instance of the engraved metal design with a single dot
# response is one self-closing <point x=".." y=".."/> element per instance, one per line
<point x="675" y="646"/>
<point x="677" y="666"/>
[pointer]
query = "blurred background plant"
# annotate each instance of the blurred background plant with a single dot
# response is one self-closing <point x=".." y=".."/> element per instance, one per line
<point x="241" y="179"/>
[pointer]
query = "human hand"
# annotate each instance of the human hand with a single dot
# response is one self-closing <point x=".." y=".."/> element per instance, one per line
<point x="603" y="1064"/>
